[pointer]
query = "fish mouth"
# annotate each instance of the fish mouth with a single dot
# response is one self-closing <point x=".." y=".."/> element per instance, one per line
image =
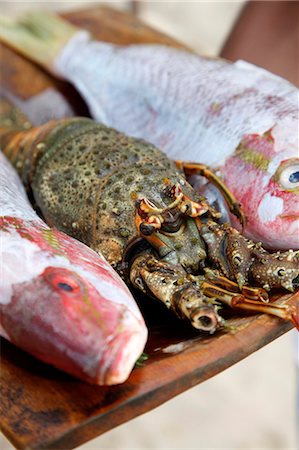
<point x="125" y="350"/>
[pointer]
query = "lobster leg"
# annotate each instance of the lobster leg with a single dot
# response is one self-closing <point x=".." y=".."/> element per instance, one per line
<point x="252" y="293"/>
<point x="204" y="171"/>
<point x="239" y="301"/>
<point x="170" y="284"/>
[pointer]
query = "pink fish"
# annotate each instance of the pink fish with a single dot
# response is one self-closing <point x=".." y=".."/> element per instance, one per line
<point x="239" y="119"/>
<point x="59" y="300"/>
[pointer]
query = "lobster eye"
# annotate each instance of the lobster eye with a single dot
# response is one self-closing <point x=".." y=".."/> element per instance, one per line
<point x="146" y="229"/>
<point x="289" y="176"/>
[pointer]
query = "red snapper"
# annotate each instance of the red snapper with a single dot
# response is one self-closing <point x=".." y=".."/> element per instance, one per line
<point x="59" y="300"/>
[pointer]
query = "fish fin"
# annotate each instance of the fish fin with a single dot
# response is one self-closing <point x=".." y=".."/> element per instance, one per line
<point x="38" y="35"/>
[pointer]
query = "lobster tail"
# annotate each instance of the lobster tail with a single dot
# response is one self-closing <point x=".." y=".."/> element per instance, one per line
<point x="12" y="118"/>
<point x="20" y="141"/>
<point x="25" y="145"/>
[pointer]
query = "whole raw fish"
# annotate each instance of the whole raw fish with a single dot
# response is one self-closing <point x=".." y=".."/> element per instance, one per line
<point x="238" y="118"/>
<point x="59" y="300"/>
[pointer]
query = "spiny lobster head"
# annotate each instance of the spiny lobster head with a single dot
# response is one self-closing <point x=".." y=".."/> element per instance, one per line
<point x="277" y="270"/>
<point x="172" y="227"/>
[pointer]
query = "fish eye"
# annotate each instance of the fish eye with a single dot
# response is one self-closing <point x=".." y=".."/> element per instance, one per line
<point x="65" y="283"/>
<point x="288" y="176"/>
<point x="294" y="177"/>
<point x="65" y="286"/>
<point x="62" y="280"/>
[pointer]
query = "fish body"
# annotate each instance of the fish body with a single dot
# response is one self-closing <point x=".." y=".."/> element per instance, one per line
<point x="239" y="119"/>
<point x="59" y="300"/>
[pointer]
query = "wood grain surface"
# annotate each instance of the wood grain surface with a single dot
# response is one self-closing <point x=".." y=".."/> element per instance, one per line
<point x="42" y="407"/>
<point x="26" y="82"/>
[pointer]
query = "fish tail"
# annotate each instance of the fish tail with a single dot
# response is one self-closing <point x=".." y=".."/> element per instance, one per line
<point x="38" y="35"/>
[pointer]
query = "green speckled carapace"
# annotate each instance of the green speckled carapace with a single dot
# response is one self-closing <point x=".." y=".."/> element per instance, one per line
<point x="86" y="179"/>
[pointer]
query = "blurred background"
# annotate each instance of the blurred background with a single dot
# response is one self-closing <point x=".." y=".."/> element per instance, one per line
<point x="252" y="404"/>
<point x="201" y="25"/>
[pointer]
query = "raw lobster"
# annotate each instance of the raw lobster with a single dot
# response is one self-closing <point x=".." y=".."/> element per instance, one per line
<point x="126" y="199"/>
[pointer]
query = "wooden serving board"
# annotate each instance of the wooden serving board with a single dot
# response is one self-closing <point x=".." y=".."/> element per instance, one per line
<point x="41" y="96"/>
<point x="42" y="407"/>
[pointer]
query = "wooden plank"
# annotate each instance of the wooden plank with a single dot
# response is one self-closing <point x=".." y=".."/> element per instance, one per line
<point x="42" y="407"/>
<point x="111" y="25"/>
<point x="32" y="88"/>
<point x="38" y="94"/>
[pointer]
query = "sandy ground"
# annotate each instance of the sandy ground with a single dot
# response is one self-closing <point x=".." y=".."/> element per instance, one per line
<point x="252" y="404"/>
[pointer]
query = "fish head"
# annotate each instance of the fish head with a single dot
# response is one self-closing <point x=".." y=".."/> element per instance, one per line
<point x="74" y="316"/>
<point x="278" y="210"/>
<point x="263" y="174"/>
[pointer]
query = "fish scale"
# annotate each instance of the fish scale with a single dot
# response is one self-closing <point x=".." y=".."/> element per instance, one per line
<point x="59" y="300"/>
<point x="192" y="107"/>
<point x="112" y="73"/>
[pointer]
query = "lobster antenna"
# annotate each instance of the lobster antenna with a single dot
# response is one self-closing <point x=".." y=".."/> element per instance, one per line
<point x="39" y="35"/>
